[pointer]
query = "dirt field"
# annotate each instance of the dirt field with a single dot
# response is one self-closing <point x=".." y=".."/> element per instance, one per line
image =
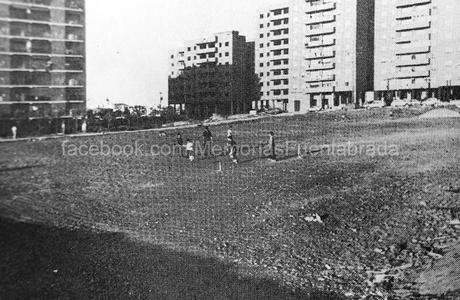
<point x="384" y="184"/>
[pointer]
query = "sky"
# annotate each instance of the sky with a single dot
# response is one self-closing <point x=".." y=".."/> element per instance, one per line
<point x="128" y="42"/>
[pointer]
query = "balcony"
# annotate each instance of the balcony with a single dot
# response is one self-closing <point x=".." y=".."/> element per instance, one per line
<point x="407" y="3"/>
<point x="319" y="78"/>
<point x="70" y="38"/>
<point x="312" y="55"/>
<point x="31" y="22"/>
<point x="403" y="49"/>
<point x="323" y="30"/>
<point x="320" y="43"/>
<point x="310" y="9"/>
<point x="69" y="6"/>
<point x="412" y="74"/>
<point x="408" y="25"/>
<point x="319" y="18"/>
<point x="319" y="66"/>
<point x="409" y="62"/>
<point x="319" y="87"/>
<point x="206" y="50"/>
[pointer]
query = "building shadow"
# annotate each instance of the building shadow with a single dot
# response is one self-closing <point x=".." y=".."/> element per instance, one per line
<point x="39" y="262"/>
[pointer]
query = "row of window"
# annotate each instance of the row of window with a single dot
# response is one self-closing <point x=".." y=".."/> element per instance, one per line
<point x="203" y="56"/>
<point x="276" y="73"/>
<point x="275" y="82"/>
<point x="276" y="43"/>
<point x="276" y="12"/>
<point x="276" y="23"/>
<point x="203" y="46"/>
<point x="276" y="92"/>
<point x="276" y="53"/>
<point x="276" y="63"/>
<point x="276" y="33"/>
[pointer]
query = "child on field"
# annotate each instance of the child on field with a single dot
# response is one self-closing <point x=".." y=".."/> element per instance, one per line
<point x="189" y="149"/>
<point x="233" y="150"/>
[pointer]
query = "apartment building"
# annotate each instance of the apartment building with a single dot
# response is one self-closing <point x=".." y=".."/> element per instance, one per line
<point x="315" y="54"/>
<point x="213" y="75"/>
<point x="42" y="59"/>
<point x="417" y="49"/>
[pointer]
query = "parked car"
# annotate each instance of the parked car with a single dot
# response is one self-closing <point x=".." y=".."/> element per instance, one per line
<point x="374" y="104"/>
<point x="399" y="103"/>
<point x="432" y="102"/>
<point x="455" y="102"/>
<point x="315" y="109"/>
<point x="414" y="102"/>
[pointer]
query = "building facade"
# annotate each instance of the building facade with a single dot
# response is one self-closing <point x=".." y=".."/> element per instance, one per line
<point x="315" y="54"/>
<point x="42" y="59"/>
<point x="214" y="75"/>
<point x="417" y="49"/>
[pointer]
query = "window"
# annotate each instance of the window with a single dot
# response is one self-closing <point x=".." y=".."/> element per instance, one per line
<point x="297" y="105"/>
<point x="261" y="16"/>
<point x="227" y="44"/>
<point x="261" y="75"/>
<point x="261" y="65"/>
<point x="189" y="58"/>
<point x="261" y="45"/>
<point x="172" y="56"/>
<point x="261" y="55"/>
<point x="261" y="35"/>
<point x="189" y="49"/>
<point x="261" y="25"/>
<point x="227" y="54"/>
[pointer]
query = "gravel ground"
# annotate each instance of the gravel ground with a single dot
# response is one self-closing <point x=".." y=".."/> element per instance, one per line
<point x="327" y="225"/>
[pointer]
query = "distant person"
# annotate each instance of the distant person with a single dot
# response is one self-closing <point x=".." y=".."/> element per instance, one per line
<point x="207" y="141"/>
<point x="14" y="132"/>
<point x="84" y="126"/>
<point x="272" y="145"/>
<point x="230" y="132"/>
<point x="229" y="140"/>
<point x="189" y="148"/>
<point x="233" y="150"/>
<point x="179" y="139"/>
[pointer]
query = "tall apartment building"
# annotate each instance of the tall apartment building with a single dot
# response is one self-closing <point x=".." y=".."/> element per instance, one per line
<point x="314" y="54"/>
<point x="417" y="49"/>
<point x="213" y="75"/>
<point x="42" y="59"/>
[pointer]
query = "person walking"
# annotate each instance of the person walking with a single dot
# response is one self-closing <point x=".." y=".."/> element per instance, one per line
<point x="14" y="132"/>
<point x="229" y="140"/>
<point x="207" y="141"/>
<point x="233" y="150"/>
<point x="190" y="151"/>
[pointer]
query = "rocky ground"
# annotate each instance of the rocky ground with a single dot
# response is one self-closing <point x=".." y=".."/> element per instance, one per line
<point x="331" y="224"/>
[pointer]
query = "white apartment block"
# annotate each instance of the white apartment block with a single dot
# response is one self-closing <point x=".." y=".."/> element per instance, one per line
<point x="213" y="75"/>
<point x="417" y="49"/>
<point x="308" y="55"/>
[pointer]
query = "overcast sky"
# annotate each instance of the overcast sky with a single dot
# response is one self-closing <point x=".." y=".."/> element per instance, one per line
<point x="128" y="41"/>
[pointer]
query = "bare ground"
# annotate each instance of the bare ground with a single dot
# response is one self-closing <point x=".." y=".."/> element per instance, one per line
<point x="380" y="212"/>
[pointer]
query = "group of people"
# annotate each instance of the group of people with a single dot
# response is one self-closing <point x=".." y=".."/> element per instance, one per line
<point x="231" y="147"/>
